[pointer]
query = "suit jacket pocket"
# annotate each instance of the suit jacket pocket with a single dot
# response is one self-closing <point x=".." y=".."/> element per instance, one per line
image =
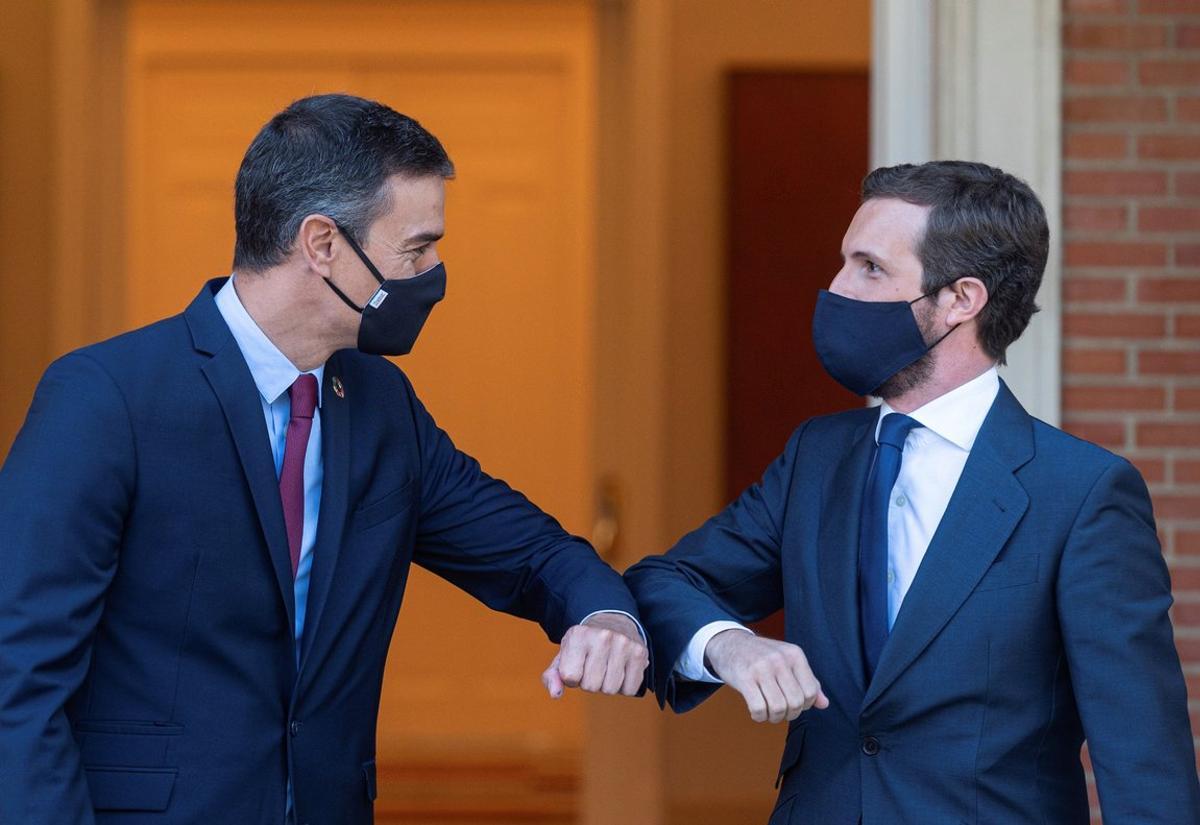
<point x="131" y="789"/>
<point x="791" y="752"/>
<point x="1010" y="573"/>
<point x="125" y="744"/>
<point x="381" y="509"/>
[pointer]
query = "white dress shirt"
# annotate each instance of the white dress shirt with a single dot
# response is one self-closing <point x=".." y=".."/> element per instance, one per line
<point x="933" y="460"/>
<point x="274" y="375"/>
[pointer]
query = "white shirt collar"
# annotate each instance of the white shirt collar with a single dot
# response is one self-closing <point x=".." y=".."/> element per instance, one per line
<point x="958" y="415"/>
<point x="273" y="373"/>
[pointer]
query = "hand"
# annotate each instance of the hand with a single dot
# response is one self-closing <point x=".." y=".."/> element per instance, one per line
<point x="605" y="654"/>
<point x="773" y="677"/>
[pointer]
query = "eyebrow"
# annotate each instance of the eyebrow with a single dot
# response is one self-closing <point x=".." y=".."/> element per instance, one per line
<point x="424" y="237"/>
<point x="866" y="253"/>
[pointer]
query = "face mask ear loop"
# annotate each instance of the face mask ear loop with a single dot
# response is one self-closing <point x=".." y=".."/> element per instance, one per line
<point x="342" y="295"/>
<point x="928" y="295"/>
<point x="944" y="337"/>
<point x="362" y="256"/>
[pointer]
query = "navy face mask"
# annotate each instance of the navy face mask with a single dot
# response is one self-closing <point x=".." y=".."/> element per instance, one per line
<point x="862" y="344"/>
<point x="393" y="317"/>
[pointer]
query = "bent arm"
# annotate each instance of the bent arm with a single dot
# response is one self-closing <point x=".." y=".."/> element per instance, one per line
<point x="728" y="570"/>
<point x="491" y="541"/>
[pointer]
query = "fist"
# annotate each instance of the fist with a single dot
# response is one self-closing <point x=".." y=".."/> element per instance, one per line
<point x="606" y="654"/>
<point x="773" y="677"/>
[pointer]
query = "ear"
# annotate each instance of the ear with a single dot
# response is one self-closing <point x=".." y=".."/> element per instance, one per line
<point x="967" y="298"/>
<point x="315" y="243"/>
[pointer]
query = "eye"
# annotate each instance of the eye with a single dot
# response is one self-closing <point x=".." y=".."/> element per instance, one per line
<point x="417" y="252"/>
<point x="872" y="267"/>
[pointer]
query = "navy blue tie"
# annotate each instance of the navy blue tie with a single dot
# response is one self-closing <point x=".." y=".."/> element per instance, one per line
<point x="873" y="536"/>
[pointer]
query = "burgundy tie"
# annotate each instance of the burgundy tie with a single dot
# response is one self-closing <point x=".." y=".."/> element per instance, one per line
<point x="291" y="480"/>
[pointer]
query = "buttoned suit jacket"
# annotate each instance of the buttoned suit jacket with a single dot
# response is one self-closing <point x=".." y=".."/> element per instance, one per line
<point x="148" y="666"/>
<point x="1038" y="616"/>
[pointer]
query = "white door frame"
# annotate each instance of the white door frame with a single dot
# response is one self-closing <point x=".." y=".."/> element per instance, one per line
<point x="981" y="80"/>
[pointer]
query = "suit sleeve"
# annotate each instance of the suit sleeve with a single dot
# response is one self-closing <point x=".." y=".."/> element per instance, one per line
<point x="727" y="570"/>
<point x="1113" y="596"/>
<point x="64" y="493"/>
<point x="488" y="539"/>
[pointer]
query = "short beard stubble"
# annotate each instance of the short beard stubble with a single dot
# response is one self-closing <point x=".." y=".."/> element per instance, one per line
<point x="918" y="372"/>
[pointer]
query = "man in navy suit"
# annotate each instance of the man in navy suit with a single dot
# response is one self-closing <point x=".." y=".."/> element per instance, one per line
<point x="976" y="591"/>
<point x="209" y="522"/>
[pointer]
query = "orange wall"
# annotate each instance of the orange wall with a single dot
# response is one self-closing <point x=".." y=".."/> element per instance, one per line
<point x="26" y="215"/>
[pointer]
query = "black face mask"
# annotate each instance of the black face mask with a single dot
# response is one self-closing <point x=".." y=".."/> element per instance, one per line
<point x="862" y="344"/>
<point x="393" y="317"/>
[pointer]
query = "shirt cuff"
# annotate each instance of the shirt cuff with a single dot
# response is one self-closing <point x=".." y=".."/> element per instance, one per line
<point x="691" y="662"/>
<point x="623" y="613"/>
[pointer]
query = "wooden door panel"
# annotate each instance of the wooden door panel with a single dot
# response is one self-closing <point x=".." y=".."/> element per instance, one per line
<point x="188" y="126"/>
<point x="515" y="328"/>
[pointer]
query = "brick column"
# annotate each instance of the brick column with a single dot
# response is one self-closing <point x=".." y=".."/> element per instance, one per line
<point x="1131" y="285"/>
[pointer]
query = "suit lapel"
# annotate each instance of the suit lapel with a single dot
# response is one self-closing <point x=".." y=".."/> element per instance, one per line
<point x="335" y="453"/>
<point x="986" y="507"/>
<point x="838" y="548"/>
<point x="230" y="379"/>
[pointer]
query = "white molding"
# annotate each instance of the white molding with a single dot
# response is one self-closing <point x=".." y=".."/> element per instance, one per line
<point x="901" y="82"/>
<point x="982" y="80"/>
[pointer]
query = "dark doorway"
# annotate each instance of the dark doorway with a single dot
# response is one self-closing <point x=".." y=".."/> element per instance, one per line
<point x="798" y="150"/>
<point x="797" y="153"/>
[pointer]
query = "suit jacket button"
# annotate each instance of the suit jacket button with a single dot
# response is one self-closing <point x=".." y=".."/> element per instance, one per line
<point x="294" y="728"/>
<point x="870" y="746"/>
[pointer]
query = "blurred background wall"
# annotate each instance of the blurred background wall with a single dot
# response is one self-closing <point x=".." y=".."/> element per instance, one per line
<point x="589" y="350"/>
<point x="27" y="236"/>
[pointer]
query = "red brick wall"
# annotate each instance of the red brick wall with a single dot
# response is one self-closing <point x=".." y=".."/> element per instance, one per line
<point x="1131" y="283"/>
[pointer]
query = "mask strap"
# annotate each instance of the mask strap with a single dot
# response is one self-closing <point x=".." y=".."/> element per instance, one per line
<point x="939" y="289"/>
<point x="944" y="337"/>
<point x="928" y="295"/>
<point x="990" y="290"/>
<point x="362" y="256"/>
<point x="342" y="295"/>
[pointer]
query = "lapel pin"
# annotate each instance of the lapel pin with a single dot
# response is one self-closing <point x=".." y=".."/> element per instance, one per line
<point x="338" y="389"/>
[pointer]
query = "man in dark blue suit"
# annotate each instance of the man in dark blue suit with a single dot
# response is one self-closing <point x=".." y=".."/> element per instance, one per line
<point x="977" y="591"/>
<point x="209" y="522"/>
